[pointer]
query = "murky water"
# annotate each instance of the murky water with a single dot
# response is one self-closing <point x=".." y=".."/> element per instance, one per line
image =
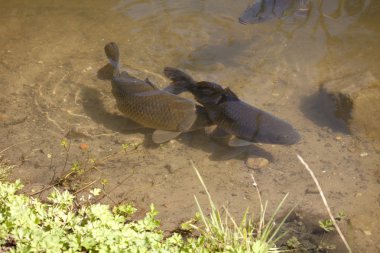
<point x="51" y="51"/>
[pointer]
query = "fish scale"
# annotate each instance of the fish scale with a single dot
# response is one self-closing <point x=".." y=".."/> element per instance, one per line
<point x="150" y="112"/>
<point x="142" y="102"/>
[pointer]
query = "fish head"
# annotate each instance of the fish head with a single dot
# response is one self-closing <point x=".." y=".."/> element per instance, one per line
<point x="273" y="130"/>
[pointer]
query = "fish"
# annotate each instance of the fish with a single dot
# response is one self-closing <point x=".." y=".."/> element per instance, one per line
<point x="264" y="10"/>
<point x="245" y="123"/>
<point x="144" y="103"/>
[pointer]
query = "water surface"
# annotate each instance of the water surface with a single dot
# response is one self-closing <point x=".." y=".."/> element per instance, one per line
<point x="50" y="53"/>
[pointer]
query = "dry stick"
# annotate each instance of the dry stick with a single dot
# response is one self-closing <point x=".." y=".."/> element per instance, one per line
<point x="261" y="202"/>
<point x="11" y="146"/>
<point x="325" y="202"/>
<point x="86" y="186"/>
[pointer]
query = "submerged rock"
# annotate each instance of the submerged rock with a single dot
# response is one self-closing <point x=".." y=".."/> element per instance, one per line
<point x="357" y="102"/>
<point x="256" y="163"/>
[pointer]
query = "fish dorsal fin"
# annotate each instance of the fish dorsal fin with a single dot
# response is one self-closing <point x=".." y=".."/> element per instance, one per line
<point x="161" y="136"/>
<point x="237" y="142"/>
<point x="151" y="84"/>
<point x="231" y="94"/>
<point x="210" y="85"/>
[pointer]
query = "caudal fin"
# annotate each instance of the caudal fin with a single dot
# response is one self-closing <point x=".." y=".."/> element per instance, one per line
<point x="112" y="53"/>
<point x="181" y="81"/>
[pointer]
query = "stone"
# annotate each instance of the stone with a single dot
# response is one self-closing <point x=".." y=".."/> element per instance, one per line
<point x="357" y="102"/>
<point x="257" y="163"/>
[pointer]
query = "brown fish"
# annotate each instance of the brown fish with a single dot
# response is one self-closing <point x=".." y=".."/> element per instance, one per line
<point x="147" y="105"/>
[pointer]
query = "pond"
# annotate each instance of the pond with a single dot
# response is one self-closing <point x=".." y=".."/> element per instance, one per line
<point x="51" y="52"/>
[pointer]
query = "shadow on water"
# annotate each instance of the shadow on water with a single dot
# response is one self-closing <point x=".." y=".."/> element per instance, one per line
<point x="95" y="109"/>
<point x="207" y="56"/>
<point x="321" y="110"/>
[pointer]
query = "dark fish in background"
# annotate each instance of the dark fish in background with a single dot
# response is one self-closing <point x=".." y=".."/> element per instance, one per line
<point x="264" y="10"/>
<point x="145" y="104"/>
<point x="231" y="115"/>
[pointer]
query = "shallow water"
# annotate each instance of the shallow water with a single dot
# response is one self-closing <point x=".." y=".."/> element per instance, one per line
<point x="51" y="51"/>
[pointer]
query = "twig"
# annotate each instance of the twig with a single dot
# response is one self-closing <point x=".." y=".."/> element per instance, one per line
<point x="261" y="202"/>
<point x="44" y="189"/>
<point x="11" y="146"/>
<point x="325" y="202"/>
<point x="86" y="186"/>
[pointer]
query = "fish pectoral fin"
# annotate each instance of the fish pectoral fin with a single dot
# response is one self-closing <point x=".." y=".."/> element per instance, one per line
<point x="188" y="121"/>
<point x="160" y="136"/>
<point x="237" y="142"/>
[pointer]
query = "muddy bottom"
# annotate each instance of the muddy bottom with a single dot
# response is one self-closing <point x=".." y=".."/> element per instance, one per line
<point x="50" y="55"/>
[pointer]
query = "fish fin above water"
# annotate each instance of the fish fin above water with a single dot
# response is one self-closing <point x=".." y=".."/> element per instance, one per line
<point x="161" y="136"/>
<point x="112" y="53"/>
<point x="237" y="142"/>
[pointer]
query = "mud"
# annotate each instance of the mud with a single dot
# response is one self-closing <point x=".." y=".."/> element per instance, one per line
<point x="51" y="52"/>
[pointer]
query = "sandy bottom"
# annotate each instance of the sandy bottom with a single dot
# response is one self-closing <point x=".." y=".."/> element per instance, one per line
<point x="50" y="92"/>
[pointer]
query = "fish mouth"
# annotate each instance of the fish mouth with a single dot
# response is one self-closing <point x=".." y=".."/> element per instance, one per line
<point x="292" y="139"/>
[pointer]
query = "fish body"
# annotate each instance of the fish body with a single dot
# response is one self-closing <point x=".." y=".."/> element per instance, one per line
<point x="142" y="102"/>
<point x="264" y="10"/>
<point x="232" y="115"/>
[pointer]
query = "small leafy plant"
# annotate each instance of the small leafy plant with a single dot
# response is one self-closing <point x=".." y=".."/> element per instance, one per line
<point x="62" y="225"/>
<point x="327" y="225"/>
<point x="5" y="169"/>
<point x="27" y="225"/>
<point x="223" y="234"/>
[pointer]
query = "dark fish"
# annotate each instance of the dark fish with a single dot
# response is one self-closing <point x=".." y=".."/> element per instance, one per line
<point x="142" y="102"/>
<point x="247" y="123"/>
<point x="264" y="10"/>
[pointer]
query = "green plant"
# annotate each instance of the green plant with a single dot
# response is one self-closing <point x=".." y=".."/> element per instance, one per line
<point x="341" y="216"/>
<point x="5" y="169"/>
<point x="62" y="225"/>
<point x="327" y="225"/>
<point x="223" y="234"/>
<point x="27" y="225"/>
<point x="293" y="243"/>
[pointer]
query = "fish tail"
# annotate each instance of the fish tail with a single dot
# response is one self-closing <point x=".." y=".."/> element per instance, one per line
<point x="112" y="53"/>
<point x="180" y="81"/>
